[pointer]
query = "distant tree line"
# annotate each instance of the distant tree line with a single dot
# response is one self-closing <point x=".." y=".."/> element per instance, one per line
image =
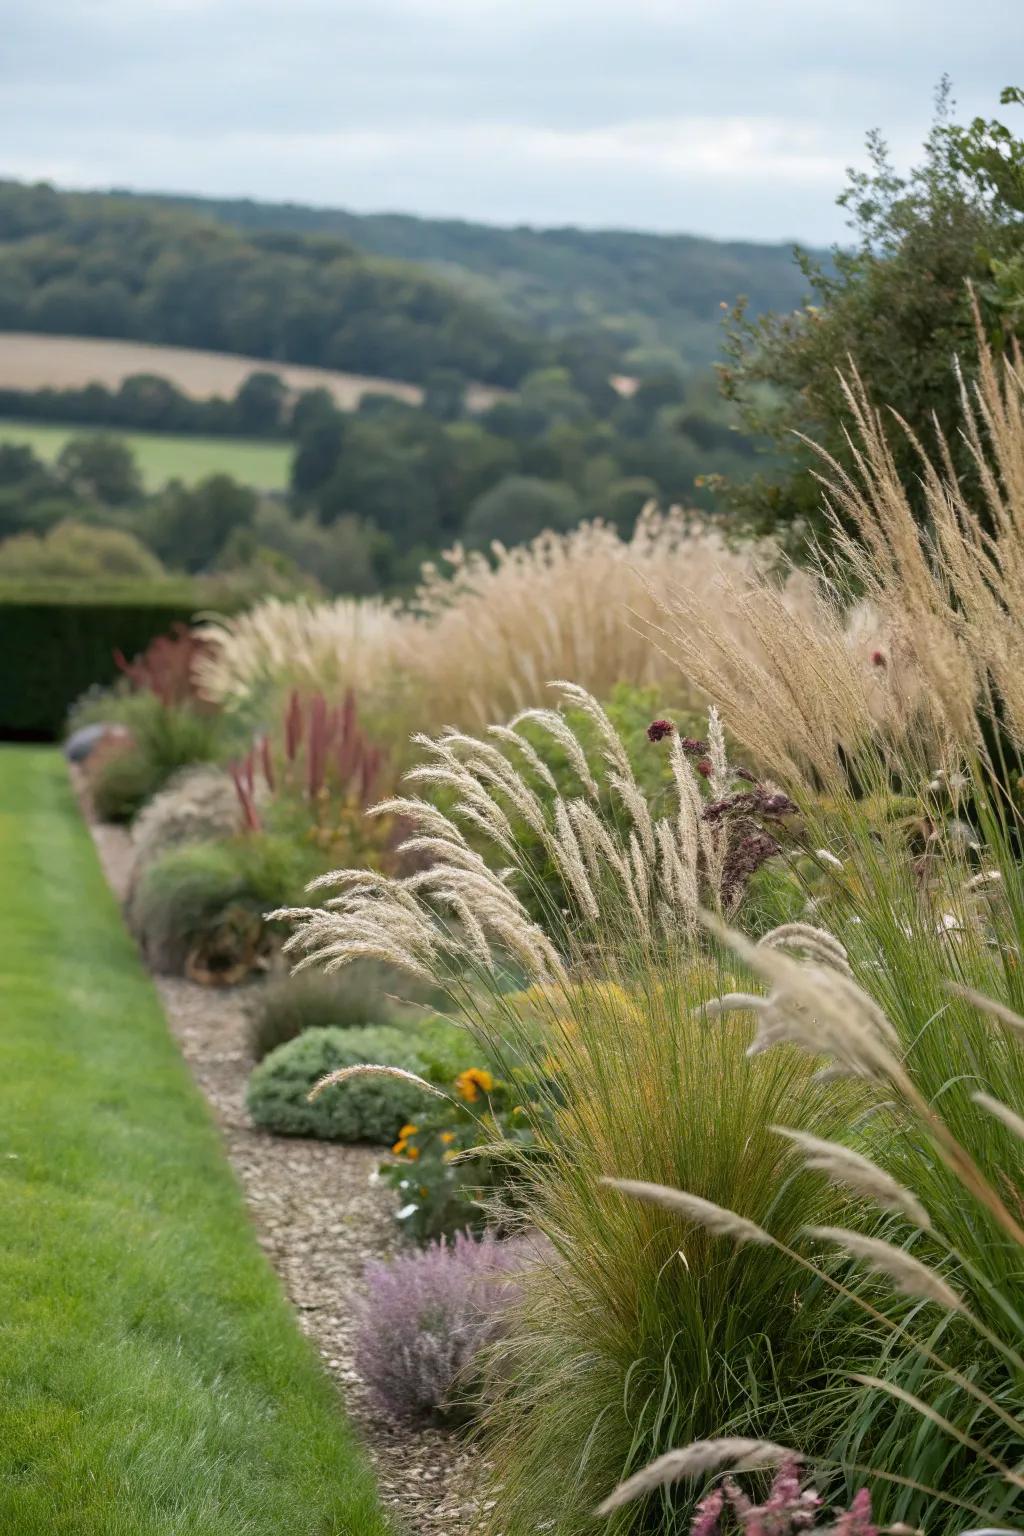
<point x="376" y="490"/>
<point x="89" y="264"/>
<point x="144" y="402"/>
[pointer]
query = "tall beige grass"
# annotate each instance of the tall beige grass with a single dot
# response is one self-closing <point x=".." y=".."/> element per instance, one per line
<point x="936" y="636"/>
<point x="482" y="636"/>
<point x="326" y="647"/>
<point x="492" y="632"/>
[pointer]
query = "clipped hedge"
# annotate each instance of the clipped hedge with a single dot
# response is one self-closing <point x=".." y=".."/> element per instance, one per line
<point x="56" y="645"/>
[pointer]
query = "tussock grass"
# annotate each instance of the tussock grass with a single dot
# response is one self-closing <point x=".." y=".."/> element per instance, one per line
<point x="155" y="1383"/>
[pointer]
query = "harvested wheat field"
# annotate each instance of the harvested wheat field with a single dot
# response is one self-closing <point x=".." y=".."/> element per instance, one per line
<point x="70" y="362"/>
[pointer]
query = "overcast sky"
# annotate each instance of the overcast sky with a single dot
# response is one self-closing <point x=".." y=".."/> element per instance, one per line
<point x="727" y="117"/>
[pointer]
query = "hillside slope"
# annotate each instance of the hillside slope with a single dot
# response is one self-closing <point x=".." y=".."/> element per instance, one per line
<point x="660" y="294"/>
<point x="92" y="264"/>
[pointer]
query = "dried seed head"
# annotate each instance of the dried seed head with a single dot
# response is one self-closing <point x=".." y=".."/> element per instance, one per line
<point x="845" y="1167"/>
<point x="714" y="1218"/>
<point x="694" y="1460"/>
<point x="366" y="1069"/>
<point x="911" y="1276"/>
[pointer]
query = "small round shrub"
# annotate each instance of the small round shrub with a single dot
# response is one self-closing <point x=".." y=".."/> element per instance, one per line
<point x="196" y="805"/>
<point x="121" y="779"/>
<point x="365" y="1109"/>
<point x="282" y="1010"/>
<point x="193" y="892"/>
<point x="428" y="1314"/>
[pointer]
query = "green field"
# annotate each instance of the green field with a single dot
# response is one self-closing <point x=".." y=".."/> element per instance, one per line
<point x="154" y="1380"/>
<point x="164" y="456"/>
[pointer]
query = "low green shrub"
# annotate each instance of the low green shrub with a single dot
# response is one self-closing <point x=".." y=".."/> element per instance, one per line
<point x="367" y="1109"/>
<point x="285" y="1009"/>
<point x="371" y="1108"/>
<point x="121" y="780"/>
<point x="164" y="739"/>
<point x="196" y="805"/>
<point x="201" y="908"/>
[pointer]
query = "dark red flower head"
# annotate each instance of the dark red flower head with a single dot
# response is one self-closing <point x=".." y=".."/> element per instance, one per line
<point x="659" y="729"/>
<point x="878" y="659"/>
<point x="704" y="767"/>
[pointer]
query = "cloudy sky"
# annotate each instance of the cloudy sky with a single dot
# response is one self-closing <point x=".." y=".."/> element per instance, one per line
<point x="726" y="117"/>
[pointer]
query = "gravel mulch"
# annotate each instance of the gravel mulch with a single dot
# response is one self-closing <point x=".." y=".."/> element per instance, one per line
<point x="319" y="1216"/>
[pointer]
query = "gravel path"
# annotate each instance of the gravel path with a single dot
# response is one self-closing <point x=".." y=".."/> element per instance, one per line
<point x="318" y="1217"/>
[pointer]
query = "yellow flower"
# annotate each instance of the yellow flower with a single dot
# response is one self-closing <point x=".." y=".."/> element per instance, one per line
<point x="447" y="1137"/>
<point x="470" y="1084"/>
<point x="412" y="1154"/>
<point x="408" y="1130"/>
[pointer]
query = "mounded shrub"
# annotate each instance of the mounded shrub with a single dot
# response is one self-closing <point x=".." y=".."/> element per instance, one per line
<point x="196" y="805"/>
<point x="367" y="1109"/>
<point x="121" y="780"/>
<point x="371" y="1108"/>
<point x="204" y="904"/>
<point x="348" y="999"/>
<point x="164" y="739"/>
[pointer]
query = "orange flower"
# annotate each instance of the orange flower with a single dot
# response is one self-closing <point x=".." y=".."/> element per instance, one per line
<point x="400" y="1146"/>
<point x="471" y="1083"/>
<point x="412" y="1154"/>
<point x="408" y="1130"/>
<point x="447" y="1137"/>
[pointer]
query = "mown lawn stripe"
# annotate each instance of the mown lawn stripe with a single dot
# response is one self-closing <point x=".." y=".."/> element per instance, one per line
<point x="153" y="1377"/>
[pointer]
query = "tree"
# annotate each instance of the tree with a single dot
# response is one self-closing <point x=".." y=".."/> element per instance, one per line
<point x="320" y="437"/>
<point x="444" y="394"/>
<point x="100" y="466"/>
<point x="898" y="305"/>
<point x="518" y="508"/>
<point x="260" y="404"/>
<point x="191" y="525"/>
<point x="76" y="552"/>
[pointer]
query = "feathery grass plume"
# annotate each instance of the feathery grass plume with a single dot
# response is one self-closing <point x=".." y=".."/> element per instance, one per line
<point x="989" y="1005"/>
<point x="951" y="588"/>
<point x="493" y="628"/>
<point x="851" y="1169"/>
<point x="936" y="637"/>
<point x="910" y="1275"/>
<point x="813" y="1004"/>
<point x="1002" y="1112"/>
<point x="696" y="1460"/>
<point x="715" y="1218"/>
<point x="316" y="646"/>
<point x="617" y="868"/>
<point x="368" y="1069"/>
<point x="797" y="693"/>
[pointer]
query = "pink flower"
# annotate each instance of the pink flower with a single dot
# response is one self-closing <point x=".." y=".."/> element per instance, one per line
<point x="707" y="1514"/>
<point x="857" y="1519"/>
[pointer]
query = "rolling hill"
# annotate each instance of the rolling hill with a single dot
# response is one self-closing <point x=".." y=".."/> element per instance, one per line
<point x="658" y="296"/>
<point x="91" y="264"/>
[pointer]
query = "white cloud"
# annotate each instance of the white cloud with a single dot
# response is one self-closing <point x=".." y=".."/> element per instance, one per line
<point x="734" y="117"/>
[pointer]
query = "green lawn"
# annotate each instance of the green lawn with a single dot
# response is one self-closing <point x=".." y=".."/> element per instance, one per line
<point x="163" y="456"/>
<point x="152" y="1377"/>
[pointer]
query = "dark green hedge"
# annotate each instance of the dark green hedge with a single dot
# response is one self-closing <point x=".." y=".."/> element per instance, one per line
<point x="54" y="646"/>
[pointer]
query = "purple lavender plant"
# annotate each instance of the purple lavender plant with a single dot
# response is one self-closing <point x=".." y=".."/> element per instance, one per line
<point x="428" y="1314"/>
